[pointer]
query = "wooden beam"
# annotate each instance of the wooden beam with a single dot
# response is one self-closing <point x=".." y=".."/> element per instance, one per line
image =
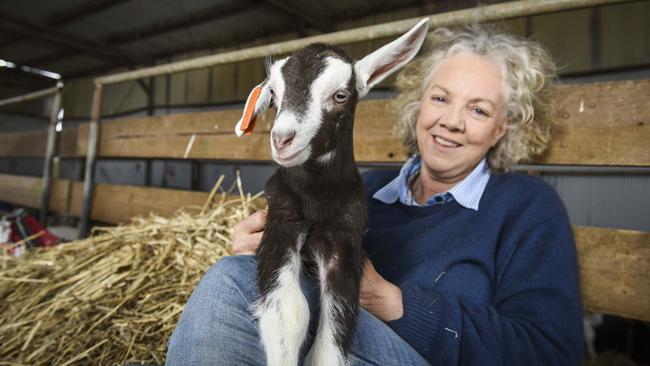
<point x="73" y="142"/>
<point x="27" y="144"/>
<point x="118" y="204"/>
<point x="602" y="124"/>
<point x="61" y="196"/>
<point x="594" y="130"/>
<point x="26" y="191"/>
<point x="112" y="203"/>
<point x="21" y="190"/>
<point x="614" y="271"/>
<point x="38" y="94"/>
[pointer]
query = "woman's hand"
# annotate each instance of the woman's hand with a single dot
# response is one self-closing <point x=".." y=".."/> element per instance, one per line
<point x="248" y="232"/>
<point x="380" y="297"/>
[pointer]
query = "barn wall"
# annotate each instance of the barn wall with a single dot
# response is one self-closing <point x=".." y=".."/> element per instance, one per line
<point x="615" y="39"/>
<point x="582" y="41"/>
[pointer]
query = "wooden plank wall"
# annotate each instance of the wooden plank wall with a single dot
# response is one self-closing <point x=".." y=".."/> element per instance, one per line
<point x="111" y="203"/>
<point x="593" y="130"/>
<point x="614" y="271"/>
<point x="614" y="264"/>
<point x="20" y="190"/>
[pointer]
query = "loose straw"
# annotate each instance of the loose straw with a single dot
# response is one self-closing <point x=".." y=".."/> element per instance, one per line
<point x="116" y="296"/>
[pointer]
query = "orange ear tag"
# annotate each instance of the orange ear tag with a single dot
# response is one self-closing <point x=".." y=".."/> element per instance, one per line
<point x="249" y="119"/>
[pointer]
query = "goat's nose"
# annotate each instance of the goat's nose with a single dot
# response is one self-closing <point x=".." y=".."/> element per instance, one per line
<point x="282" y="139"/>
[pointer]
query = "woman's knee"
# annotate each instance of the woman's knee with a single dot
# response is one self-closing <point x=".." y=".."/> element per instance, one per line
<point x="231" y="280"/>
<point x="238" y="270"/>
<point x="233" y="266"/>
<point x="216" y="324"/>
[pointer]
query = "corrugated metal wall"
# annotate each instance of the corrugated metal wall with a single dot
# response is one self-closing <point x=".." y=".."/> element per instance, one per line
<point x="582" y="41"/>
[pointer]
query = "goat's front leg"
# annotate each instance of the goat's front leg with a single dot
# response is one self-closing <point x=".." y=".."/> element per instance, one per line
<point x="340" y="265"/>
<point x="282" y="310"/>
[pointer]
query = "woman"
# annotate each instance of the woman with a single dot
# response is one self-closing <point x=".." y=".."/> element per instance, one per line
<point x="468" y="265"/>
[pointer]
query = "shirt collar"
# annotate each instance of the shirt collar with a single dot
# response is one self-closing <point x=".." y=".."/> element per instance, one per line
<point x="467" y="192"/>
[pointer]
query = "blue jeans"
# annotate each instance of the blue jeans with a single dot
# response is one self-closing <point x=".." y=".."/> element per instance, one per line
<point x="217" y="326"/>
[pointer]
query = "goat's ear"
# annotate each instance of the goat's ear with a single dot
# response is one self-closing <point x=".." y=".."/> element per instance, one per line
<point x="376" y="66"/>
<point x="257" y="103"/>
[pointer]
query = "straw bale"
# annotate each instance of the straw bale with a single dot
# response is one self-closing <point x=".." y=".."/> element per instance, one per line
<point x="116" y="296"/>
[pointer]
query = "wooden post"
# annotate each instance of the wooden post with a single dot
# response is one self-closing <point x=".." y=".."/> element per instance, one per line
<point x="50" y="150"/>
<point x="91" y="156"/>
<point x="30" y="96"/>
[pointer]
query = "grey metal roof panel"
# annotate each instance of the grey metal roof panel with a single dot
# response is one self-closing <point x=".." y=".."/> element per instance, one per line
<point x="135" y="14"/>
<point x="36" y="11"/>
<point x="212" y="33"/>
<point x="25" y="50"/>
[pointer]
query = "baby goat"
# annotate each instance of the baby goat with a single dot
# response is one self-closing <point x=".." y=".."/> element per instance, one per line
<point x="317" y="205"/>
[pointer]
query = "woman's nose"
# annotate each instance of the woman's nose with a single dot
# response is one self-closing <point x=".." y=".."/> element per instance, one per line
<point x="453" y="120"/>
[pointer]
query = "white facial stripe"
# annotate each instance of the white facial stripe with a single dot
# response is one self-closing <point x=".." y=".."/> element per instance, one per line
<point x="276" y="81"/>
<point x="335" y="76"/>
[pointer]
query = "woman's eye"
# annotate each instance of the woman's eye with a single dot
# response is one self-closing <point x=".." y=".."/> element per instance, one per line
<point x="340" y="96"/>
<point x="439" y="99"/>
<point x="480" y="112"/>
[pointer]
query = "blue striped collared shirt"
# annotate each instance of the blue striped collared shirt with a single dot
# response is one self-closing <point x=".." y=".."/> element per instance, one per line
<point x="467" y="192"/>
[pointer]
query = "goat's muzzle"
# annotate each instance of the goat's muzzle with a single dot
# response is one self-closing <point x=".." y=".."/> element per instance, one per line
<point x="282" y="140"/>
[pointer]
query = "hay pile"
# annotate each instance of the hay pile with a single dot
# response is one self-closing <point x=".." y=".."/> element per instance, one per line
<point x="116" y="296"/>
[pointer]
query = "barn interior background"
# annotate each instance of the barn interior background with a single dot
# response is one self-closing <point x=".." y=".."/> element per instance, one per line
<point x="43" y="43"/>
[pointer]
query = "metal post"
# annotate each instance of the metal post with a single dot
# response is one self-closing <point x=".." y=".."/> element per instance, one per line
<point x="91" y="156"/>
<point x="30" y="96"/>
<point x="50" y="150"/>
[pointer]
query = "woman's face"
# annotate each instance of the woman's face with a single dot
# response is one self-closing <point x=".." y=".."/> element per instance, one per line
<point x="461" y="116"/>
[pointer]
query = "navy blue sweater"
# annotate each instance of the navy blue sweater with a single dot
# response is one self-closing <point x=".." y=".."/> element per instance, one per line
<point x="498" y="286"/>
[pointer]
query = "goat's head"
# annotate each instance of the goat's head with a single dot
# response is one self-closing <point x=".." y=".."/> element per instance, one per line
<point x="315" y="92"/>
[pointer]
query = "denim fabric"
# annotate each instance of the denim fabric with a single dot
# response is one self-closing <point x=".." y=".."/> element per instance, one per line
<point x="217" y="327"/>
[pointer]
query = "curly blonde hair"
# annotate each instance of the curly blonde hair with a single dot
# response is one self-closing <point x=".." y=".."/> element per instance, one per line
<point x="528" y="73"/>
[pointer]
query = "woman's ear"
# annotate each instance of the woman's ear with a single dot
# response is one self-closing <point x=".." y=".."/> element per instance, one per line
<point x="502" y="129"/>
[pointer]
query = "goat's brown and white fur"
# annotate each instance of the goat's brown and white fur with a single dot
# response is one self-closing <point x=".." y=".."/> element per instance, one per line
<point x="317" y="205"/>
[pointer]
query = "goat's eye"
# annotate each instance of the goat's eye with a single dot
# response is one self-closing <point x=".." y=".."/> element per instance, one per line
<point x="340" y="96"/>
